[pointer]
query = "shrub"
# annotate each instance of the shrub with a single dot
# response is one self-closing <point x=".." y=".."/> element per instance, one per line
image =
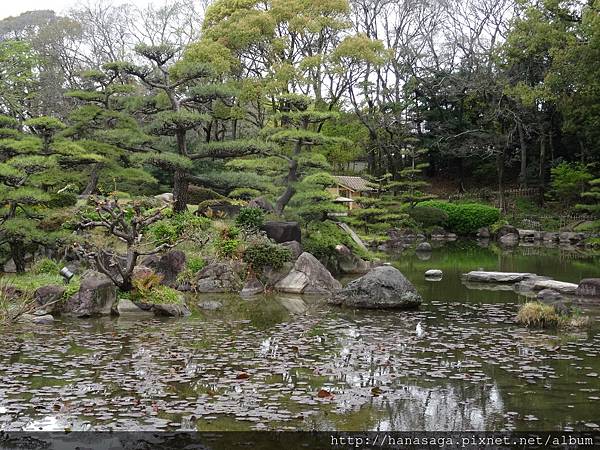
<point x="266" y="254"/>
<point x="569" y="180"/>
<point x="159" y="295"/>
<point x="195" y="264"/>
<point x="250" y="218"/>
<point x="145" y="282"/>
<point x="45" y="265"/>
<point x="465" y="218"/>
<point x="197" y="195"/>
<point x="244" y="193"/>
<point x="227" y="247"/>
<point x="428" y="216"/>
<point x="171" y="229"/>
<point x="322" y="239"/>
<point x="63" y="199"/>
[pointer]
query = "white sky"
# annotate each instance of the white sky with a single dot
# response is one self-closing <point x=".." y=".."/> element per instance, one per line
<point x="16" y="7"/>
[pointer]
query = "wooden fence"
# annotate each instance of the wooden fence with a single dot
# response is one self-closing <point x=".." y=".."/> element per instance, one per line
<point x="489" y="195"/>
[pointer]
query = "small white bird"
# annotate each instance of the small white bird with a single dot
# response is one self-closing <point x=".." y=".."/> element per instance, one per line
<point x="420" y="331"/>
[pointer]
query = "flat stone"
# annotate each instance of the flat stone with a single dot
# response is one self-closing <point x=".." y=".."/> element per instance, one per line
<point x="558" y="286"/>
<point x="126" y="307"/>
<point x="479" y="276"/>
<point x="210" y="305"/>
<point x="434" y="273"/>
<point x="46" y="319"/>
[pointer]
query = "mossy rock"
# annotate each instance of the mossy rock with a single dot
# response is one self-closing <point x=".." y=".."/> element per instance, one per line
<point x="218" y="208"/>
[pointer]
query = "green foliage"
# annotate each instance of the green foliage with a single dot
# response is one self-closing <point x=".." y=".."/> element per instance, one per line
<point x="61" y="200"/>
<point x="45" y="266"/>
<point x="465" y="218"/>
<point x="322" y="238"/>
<point x="379" y="214"/>
<point x="265" y="254"/>
<point x="250" y="218"/>
<point x="145" y="282"/>
<point x="591" y="197"/>
<point x="227" y="248"/>
<point x="428" y="216"/>
<point x="164" y="295"/>
<point x="197" y="195"/>
<point x="569" y="181"/>
<point x="195" y="264"/>
<point x="244" y="193"/>
<point x="172" y="229"/>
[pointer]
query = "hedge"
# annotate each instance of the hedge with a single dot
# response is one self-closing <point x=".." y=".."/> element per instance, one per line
<point x="465" y="218"/>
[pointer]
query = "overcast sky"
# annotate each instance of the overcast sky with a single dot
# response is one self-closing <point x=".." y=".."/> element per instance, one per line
<point x="16" y="7"/>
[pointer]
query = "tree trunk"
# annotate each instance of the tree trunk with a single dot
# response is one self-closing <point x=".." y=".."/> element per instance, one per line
<point x="180" y="191"/>
<point x="289" y="192"/>
<point x="18" y="256"/>
<point x="523" y="172"/>
<point x="93" y="181"/>
<point x="180" y="182"/>
<point x="500" y="169"/>
<point x="541" y="171"/>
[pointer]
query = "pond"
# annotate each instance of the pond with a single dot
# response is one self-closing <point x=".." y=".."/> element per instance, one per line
<point x="292" y="363"/>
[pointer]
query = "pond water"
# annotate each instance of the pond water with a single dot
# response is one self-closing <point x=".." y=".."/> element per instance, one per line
<point x="295" y="363"/>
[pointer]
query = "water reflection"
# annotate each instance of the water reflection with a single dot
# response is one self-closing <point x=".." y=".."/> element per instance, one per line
<point x="295" y="363"/>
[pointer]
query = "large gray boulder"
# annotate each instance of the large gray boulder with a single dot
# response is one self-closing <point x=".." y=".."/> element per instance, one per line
<point x="506" y="229"/>
<point x="252" y="287"/>
<point x="423" y="247"/>
<point x="484" y="233"/>
<point x="282" y="232"/>
<point x="308" y="276"/>
<point x="348" y="263"/>
<point x="382" y="287"/>
<point x="96" y="297"/>
<point x="49" y="298"/>
<point x="294" y="247"/>
<point x="588" y="287"/>
<point x="171" y="310"/>
<point x="128" y="309"/>
<point x="549" y="296"/>
<point x="509" y="240"/>
<point x="219" y="277"/>
<point x="169" y="265"/>
<point x="262" y="203"/>
<point x="271" y="276"/>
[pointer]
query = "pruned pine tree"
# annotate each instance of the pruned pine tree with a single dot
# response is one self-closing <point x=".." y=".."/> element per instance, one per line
<point x="169" y="83"/>
<point x="35" y="173"/>
<point x="297" y="131"/>
<point x="410" y="187"/>
<point x="592" y="199"/>
<point x="103" y="125"/>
